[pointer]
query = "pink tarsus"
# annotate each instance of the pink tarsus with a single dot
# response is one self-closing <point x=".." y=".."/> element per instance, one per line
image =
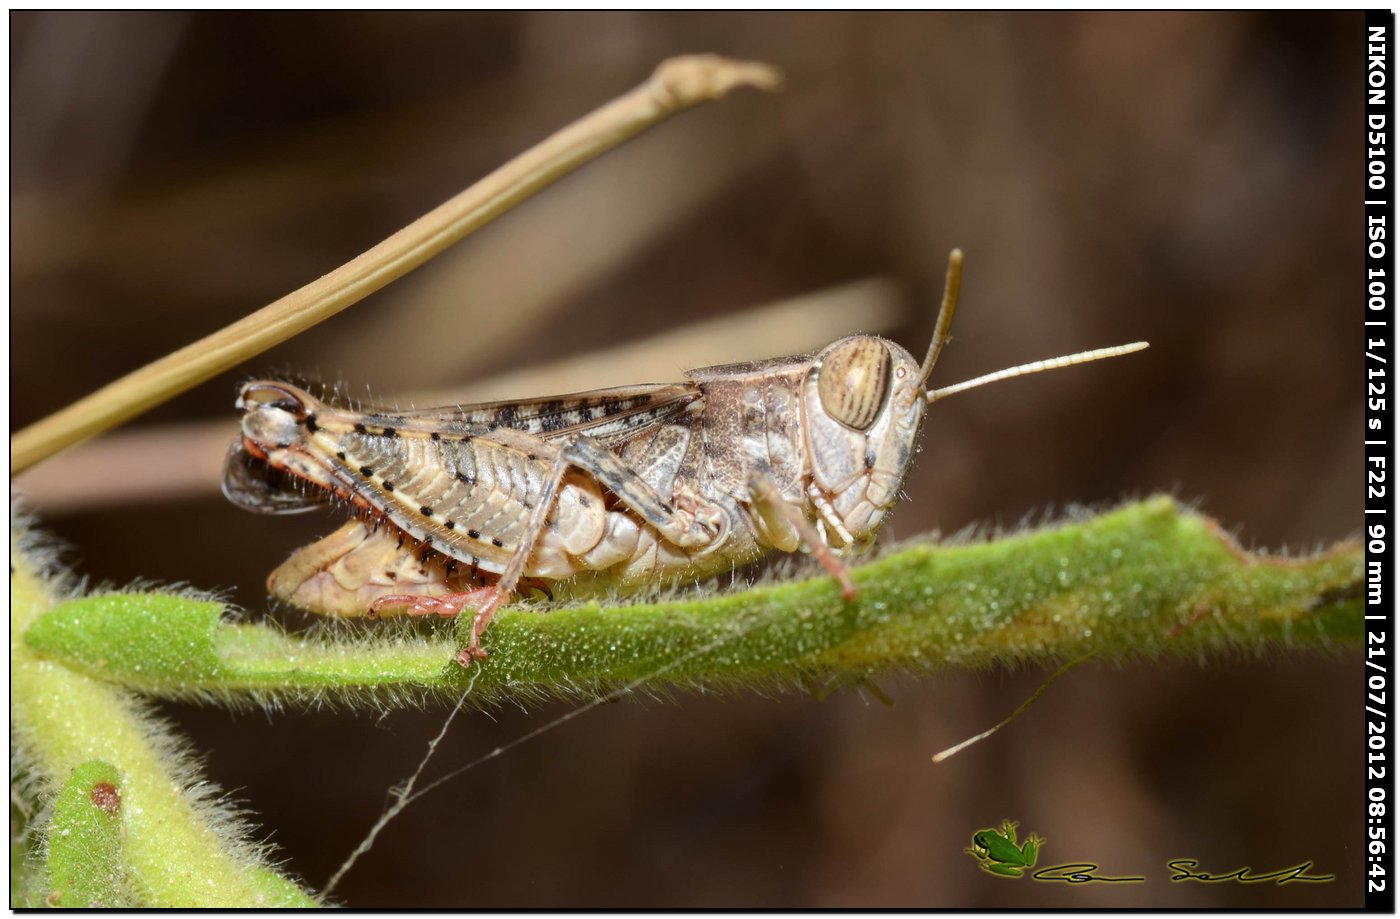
<point x="485" y="601"/>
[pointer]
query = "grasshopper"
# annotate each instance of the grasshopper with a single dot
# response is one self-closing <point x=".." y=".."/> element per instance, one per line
<point x="596" y="490"/>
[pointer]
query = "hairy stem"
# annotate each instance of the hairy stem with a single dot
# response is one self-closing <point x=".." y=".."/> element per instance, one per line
<point x="1147" y="580"/>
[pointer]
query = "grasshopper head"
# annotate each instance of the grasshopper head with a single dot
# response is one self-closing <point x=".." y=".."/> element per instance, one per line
<point x="863" y="402"/>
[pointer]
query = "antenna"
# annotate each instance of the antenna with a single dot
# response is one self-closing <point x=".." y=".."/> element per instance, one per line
<point x="951" y="286"/>
<point x="1050" y="363"/>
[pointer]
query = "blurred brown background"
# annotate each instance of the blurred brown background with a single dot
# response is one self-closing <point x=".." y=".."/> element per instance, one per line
<point x="1190" y="179"/>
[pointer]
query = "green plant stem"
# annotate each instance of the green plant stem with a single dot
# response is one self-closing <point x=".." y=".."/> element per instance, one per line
<point x="1147" y="580"/>
<point x="179" y="850"/>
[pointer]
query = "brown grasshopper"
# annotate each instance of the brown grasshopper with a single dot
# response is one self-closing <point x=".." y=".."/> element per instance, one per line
<point x="601" y="489"/>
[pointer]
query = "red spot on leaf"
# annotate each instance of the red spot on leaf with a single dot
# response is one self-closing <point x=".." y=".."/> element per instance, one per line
<point x="106" y="796"/>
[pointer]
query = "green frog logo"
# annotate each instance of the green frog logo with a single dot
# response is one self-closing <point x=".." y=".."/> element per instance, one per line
<point x="999" y="853"/>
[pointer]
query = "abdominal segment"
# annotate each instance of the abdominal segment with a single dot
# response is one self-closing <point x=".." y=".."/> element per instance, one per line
<point x="344" y="573"/>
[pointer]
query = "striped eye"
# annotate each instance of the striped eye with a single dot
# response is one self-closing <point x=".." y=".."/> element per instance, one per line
<point x="855" y="380"/>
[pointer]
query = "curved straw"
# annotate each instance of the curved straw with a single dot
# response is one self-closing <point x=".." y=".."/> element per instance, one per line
<point x="677" y="84"/>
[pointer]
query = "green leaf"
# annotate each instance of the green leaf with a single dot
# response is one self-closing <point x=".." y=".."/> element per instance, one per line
<point x="85" y="850"/>
<point x="175" y="645"/>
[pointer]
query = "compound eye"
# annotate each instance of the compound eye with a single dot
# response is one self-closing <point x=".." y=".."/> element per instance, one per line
<point x="855" y="381"/>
